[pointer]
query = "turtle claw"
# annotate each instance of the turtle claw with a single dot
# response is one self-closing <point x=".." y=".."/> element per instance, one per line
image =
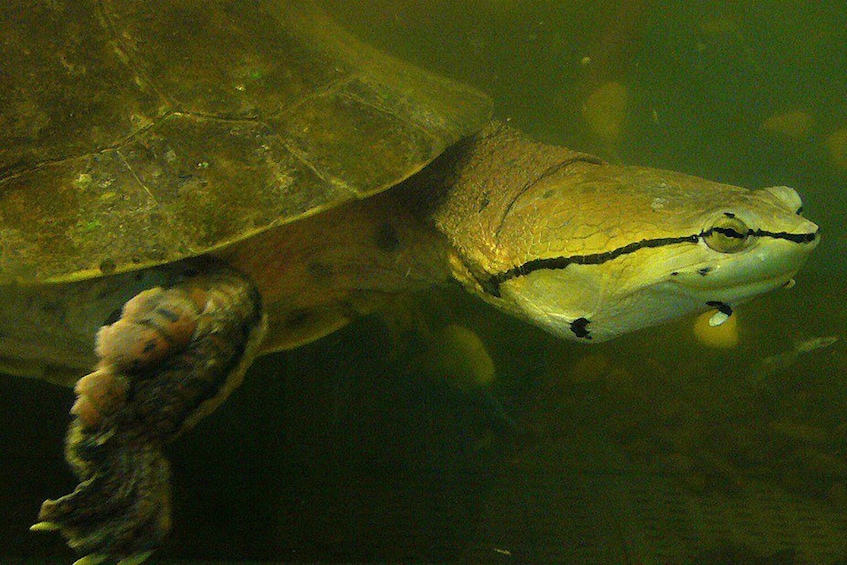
<point x="121" y="508"/>
<point x="93" y="559"/>
<point x="45" y="527"/>
<point x="172" y="356"/>
<point x="97" y="558"/>
<point x="136" y="559"/>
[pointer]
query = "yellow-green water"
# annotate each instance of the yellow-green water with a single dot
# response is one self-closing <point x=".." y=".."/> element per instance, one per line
<point x="334" y="452"/>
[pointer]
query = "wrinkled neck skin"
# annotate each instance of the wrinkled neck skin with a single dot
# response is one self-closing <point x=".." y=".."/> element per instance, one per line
<point x="487" y="177"/>
<point x="590" y="251"/>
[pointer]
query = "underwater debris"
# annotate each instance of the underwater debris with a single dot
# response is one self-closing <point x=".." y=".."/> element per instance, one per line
<point x="605" y="111"/>
<point x="793" y="125"/>
<point x="775" y="363"/>
<point x="836" y="144"/>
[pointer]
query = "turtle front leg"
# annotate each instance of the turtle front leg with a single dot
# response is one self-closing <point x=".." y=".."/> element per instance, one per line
<point x="173" y="356"/>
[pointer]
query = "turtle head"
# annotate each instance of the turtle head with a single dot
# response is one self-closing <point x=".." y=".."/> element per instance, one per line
<point x="594" y="251"/>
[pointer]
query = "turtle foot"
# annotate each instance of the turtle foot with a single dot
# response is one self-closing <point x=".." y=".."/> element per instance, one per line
<point x="122" y="511"/>
<point x="172" y="357"/>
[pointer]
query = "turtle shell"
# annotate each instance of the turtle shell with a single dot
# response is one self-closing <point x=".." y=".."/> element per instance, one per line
<point x="136" y="133"/>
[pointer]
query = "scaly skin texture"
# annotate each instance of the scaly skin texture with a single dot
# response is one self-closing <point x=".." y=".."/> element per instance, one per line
<point x="172" y="357"/>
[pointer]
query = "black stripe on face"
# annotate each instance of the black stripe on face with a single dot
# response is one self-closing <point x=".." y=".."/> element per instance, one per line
<point x="795" y="237"/>
<point x="492" y="284"/>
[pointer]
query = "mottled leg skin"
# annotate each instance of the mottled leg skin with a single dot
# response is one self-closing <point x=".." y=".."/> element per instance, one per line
<point x="173" y="357"/>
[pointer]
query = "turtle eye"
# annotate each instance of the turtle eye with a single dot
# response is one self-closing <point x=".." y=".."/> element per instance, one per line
<point x="727" y="235"/>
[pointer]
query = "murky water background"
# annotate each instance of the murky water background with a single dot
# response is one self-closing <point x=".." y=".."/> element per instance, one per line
<point x="650" y="449"/>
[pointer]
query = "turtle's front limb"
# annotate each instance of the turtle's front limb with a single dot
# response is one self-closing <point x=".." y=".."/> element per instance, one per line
<point x="173" y="357"/>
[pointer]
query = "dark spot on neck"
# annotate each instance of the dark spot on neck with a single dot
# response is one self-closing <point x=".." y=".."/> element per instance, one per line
<point x="722" y="307"/>
<point x="579" y="327"/>
<point x="387" y="239"/>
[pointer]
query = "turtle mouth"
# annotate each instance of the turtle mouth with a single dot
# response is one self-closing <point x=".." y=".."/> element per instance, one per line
<point x="725" y="298"/>
<point x="723" y="289"/>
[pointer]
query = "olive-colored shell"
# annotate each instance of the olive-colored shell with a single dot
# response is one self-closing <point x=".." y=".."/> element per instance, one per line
<point x="135" y="133"/>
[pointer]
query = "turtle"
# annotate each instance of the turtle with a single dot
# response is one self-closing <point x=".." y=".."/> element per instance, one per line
<point x="187" y="185"/>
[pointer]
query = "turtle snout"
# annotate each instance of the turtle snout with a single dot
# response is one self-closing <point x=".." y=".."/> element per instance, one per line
<point x="786" y="197"/>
